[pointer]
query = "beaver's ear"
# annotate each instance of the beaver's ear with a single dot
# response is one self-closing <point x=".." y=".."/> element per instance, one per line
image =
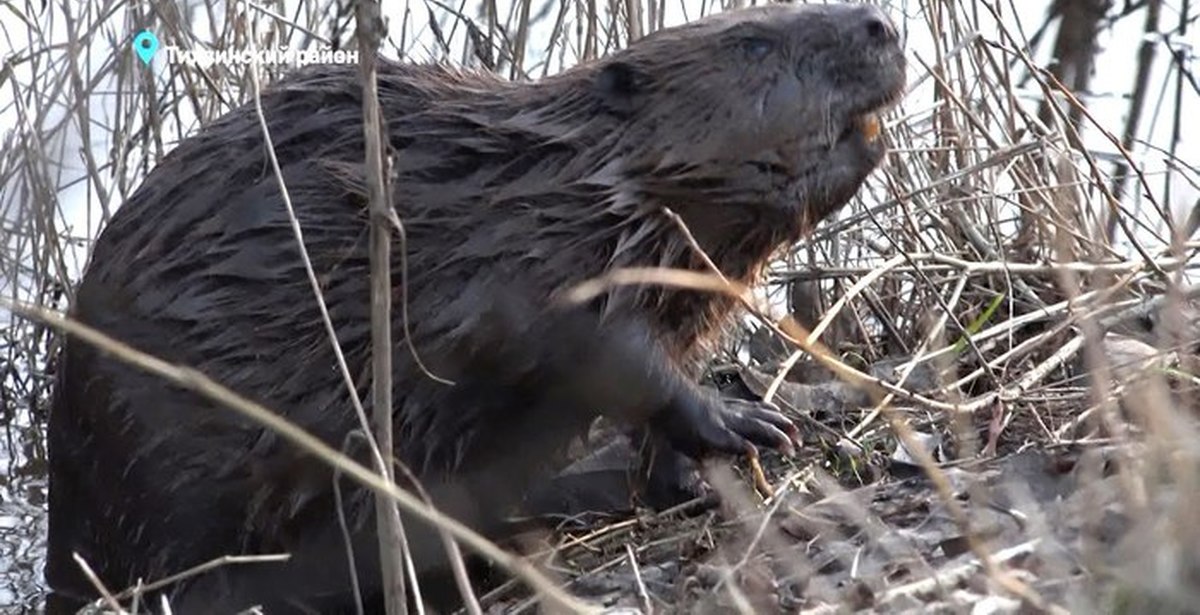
<point x="619" y="86"/>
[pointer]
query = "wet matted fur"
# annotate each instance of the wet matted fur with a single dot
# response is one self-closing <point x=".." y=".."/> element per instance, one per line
<point x="752" y="125"/>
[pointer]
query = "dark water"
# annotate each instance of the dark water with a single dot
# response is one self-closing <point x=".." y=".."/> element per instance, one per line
<point x="27" y="351"/>
<point x="24" y="388"/>
<point x="22" y="515"/>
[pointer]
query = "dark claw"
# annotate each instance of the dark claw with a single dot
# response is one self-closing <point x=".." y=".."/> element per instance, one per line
<point x="761" y="423"/>
<point x="700" y="425"/>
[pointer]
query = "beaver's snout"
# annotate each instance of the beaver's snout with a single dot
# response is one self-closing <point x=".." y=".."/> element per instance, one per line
<point x="873" y="73"/>
<point x="872" y="36"/>
<point x="867" y="36"/>
<point x="876" y="28"/>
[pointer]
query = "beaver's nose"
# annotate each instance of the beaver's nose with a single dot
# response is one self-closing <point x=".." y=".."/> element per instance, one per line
<point x="875" y="28"/>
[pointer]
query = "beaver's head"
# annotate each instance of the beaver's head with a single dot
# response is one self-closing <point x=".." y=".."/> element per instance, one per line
<point x="770" y="108"/>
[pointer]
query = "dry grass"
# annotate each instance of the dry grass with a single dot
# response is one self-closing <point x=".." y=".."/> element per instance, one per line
<point x="1032" y="252"/>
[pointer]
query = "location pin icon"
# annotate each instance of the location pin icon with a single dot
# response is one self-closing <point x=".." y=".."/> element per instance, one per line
<point x="144" y="45"/>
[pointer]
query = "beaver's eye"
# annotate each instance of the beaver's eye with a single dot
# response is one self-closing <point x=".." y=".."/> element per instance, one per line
<point x="757" y="47"/>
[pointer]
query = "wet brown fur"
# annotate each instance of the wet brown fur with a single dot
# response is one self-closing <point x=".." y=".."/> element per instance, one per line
<point x="542" y="184"/>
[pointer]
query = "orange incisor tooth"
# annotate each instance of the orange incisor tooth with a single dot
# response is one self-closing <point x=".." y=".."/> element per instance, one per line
<point x="869" y="125"/>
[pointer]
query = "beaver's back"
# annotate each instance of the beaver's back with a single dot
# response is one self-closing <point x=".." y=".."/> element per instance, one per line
<point x="201" y="268"/>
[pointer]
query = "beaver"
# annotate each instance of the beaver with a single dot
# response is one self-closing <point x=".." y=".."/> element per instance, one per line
<point x="751" y="125"/>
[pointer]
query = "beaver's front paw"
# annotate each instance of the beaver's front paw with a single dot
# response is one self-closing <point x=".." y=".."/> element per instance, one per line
<point x="700" y="425"/>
